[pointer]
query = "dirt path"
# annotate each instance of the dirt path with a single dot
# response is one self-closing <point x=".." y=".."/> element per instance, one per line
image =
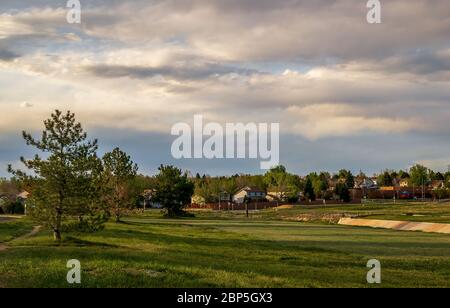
<point x="5" y="219"/>
<point x="33" y="232"/>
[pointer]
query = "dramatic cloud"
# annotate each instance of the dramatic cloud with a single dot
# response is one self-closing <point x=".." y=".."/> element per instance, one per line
<point x="316" y="67"/>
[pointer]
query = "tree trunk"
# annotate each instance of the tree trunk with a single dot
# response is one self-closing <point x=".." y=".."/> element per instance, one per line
<point x="57" y="235"/>
<point x="57" y="229"/>
<point x="118" y="215"/>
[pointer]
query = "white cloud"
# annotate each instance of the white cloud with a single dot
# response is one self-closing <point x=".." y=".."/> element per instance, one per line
<point x="317" y="67"/>
<point x="26" y="105"/>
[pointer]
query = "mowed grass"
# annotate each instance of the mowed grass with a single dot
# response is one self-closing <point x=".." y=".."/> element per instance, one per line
<point x="11" y="228"/>
<point x="423" y="212"/>
<point x="150" y="251"/>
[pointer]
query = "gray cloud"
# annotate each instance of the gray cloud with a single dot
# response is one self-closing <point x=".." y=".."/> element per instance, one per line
<point x="6" y="55"/>
<point x="194" y="72"/>
<point x="419" y="63"/>
<point x="142" y="65"/>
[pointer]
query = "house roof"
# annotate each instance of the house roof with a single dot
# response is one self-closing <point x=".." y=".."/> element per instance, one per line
<point x="23" y="195"/>
<point x="436" y="183"/>
<point x="253" y="189"/>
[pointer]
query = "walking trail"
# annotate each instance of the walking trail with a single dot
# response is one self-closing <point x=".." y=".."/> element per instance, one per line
<point x="35" y="231"/>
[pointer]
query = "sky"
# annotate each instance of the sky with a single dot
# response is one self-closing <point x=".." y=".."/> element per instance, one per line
<point x="347" y="94"/>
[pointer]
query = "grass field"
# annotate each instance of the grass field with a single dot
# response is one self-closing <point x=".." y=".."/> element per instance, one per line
<point x="423" y="212"/>
<point x="228" y="250"/>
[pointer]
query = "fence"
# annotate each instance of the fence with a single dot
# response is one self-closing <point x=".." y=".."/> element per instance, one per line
<point x="225" y="206"/>
<point x="395" y="201"/>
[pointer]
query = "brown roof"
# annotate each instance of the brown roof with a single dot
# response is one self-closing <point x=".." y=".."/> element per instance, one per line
<point x="23" y="195"/>
<point x="252" y="189"/>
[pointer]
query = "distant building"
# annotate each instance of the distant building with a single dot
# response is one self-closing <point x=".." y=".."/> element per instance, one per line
<point x="198" y="200"/>
<point x="23" y="196"/>
<point x="438" y="184"/>
<point x="403" y="183"/>
<point x="365" y="183"/>
<point x="253" y="193"/>
<point x="148" y="199"/>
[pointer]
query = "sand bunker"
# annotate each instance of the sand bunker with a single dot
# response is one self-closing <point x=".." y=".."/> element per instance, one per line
<point x="397" y="225"/>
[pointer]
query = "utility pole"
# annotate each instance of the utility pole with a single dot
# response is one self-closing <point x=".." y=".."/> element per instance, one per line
<point x="423" y="189"/>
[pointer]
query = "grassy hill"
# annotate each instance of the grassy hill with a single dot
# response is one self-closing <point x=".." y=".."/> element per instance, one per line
<point x="228" y="251"/>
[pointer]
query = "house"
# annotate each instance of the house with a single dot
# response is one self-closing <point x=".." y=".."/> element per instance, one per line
<point x="23" y="196"/>
<point x="276" y="195"/>
<point x="365" y="183"/>
<point x="148" y="202"/>
<point x="438" y="184"/>
<point x="198" y="200"/>
<point x="403" y="183"/>
<point x="374" y="179"/>
<point x="249" y="192"/>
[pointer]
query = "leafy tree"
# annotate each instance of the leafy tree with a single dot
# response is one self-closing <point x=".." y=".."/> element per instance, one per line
<point x="447" y="179"/>
<point x="277" y="179"/>
<point x="320" y="183"/>
<point x="64" y="183"/>
<point x="9" y="190"/>
<point x="284" y="184"/>
<point x="403" y="174"/>
<point x="229" y="186"/>
<point x="343" y="192"/>
<point x="119" y="172"/>
<point x="251" y="180"/>
<point x="173" y="190"/>
<point x="393" y="174"/>
<point x="385" y="179"/>
<point x="441" y="193"/>
<point x="436" y="176"/>
<point x="419" y="175"/>
<point x="348" y="177"/>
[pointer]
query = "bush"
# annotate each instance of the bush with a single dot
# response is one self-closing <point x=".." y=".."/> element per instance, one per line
<point x="9" y="207"/>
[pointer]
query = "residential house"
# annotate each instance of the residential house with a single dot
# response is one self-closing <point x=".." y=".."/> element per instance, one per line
<point x="198" y="200"/>
<point x="23" y="196"/>
<point x="365" y="183"/>
<point x="403" y="183"/>
<point x="278" y="196"/>
<point x="253" y="193"/>
<point x="438" y="184"/>
<point x="374" y="179"/>
<point x="148" y="202"/>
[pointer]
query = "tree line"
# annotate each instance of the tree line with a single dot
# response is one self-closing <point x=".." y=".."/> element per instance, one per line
<point x="72" y="188"/>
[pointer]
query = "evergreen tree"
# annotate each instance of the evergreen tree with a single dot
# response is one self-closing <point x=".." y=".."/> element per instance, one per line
<point x="173" y="190"/>
<point x="308" y="190"/>
<point x="63" y="183"/>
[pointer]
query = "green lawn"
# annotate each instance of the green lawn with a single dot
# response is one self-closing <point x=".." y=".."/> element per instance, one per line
<point x="13" y="228"/>
<point x="228" y="251"/>
<point x="424" y="212"/>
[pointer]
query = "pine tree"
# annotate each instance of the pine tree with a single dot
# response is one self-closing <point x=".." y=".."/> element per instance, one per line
<point x="63" y="184"/>
<point x="173" y="190"/>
